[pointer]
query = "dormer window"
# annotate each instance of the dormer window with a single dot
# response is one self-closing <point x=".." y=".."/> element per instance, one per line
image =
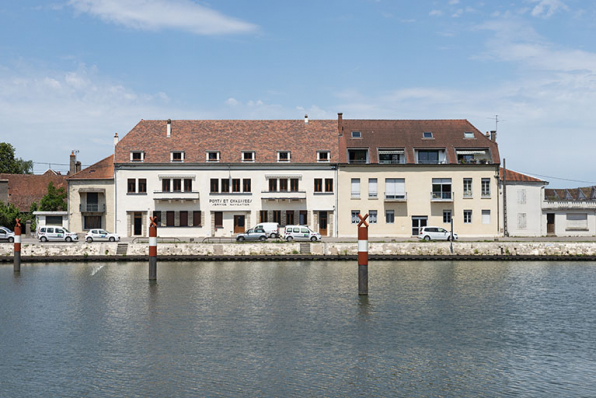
<point x="427" y="134"/>
<point x="248" y="156"/>
<point x="177" y="156"/>
<point x="137" y="156"/>
<point x="283" y="156"/>
<point x="356" y="134"/>
<point x="213" y="156"/>
<point x="322" y="156"/>
<point x="468" y="135"/>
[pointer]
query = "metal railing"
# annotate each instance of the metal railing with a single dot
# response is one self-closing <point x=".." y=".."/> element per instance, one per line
<point x="396" y="196"/>
<point x="144" y="239"/>
<point x="92" y="208"/>
<point x="219" y="239"/>
<point x="441" y="196"/>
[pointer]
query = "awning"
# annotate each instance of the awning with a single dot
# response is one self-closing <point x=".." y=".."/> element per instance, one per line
<point x="471" y="152"/>
<point x="392" y="152"/>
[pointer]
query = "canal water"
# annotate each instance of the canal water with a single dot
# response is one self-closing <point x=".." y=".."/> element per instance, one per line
<point x="296" y="329"/>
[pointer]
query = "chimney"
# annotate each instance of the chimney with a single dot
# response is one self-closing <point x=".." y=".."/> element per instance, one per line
<point x="73" y="163"/>
<point x="116" y="139"/>
<point x="169" y="128"/>
<point x="493" y="135"/>
<point x="305" y="119"/>
<point x="78" y="166"/>
<point x="340" y="118"/>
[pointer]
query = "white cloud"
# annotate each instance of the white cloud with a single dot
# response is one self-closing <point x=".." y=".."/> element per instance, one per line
<point x="546" y="8"/>
<point x="453" y="2"/>
<point x="435" y="13"/>
<point x="163" y="14"/>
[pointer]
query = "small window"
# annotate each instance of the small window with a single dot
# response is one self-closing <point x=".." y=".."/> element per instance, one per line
<point x="356" y="134"/>
<point x="318" y="185"/>
<point x="485" y="216"/>
<point x="322" y="156"/>
<point x="355" y="218"/>
<point x="177" y="182"/>
<point x="177" y="156"/>
<point x="372" y="187"/>
<point x="263" y="216"/>
<point x="132" y="185"/>
<point x="355" y="188"/>
<point x="218" y="215"/>
<point x="372" y="216"/>
<point x="214" y="185"/>
<point x="248" y="156"/>
<point x="273" y="185"/>
<point x="283" y="156"/>
<point x="213" y="156"/>
<point x="467" y="216"/>
<point x="246" y="185"/>
<point x="427" y="134"/>
<point x="328" y="184"/>
<point x="137" y="156"/>
<point x="236" y="185"/>
<point x="294" y="185"/>
<point x="165" y="185"/>
<point x="225" y="185"/>
<point x="446" y="216"/>
<point x="468" y="135"/>
<point x="142" y="185"/>
<point x="187" y="185"/>
<point x="485" y="188"/>
<point x="390" y="216"/>
<point x="283" y="185"/>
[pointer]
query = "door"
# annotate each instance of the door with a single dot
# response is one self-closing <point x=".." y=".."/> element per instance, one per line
<point x="303" y="218"/>
<point x="290" y="217"/>
<point x="238" y="224"/>
<point x="323" y="223"/>
<point x="92" y="201"/>
<point x="550" y="223"/>
<point x="138" y="224"/>
<point x="417" y="223"/>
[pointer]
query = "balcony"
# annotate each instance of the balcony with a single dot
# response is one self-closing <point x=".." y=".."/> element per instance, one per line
<point x="283" y="195"/>
<point x="396" y="197"/>
<point x="441" y="196"/>
<point x="92" y="208"/>
<point x="175" y="196"/>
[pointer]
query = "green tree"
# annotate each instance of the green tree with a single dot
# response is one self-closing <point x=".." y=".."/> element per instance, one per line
<point x="8" y="214"/>
<point x="12" y="165"/>
<point x="55" y="199"/>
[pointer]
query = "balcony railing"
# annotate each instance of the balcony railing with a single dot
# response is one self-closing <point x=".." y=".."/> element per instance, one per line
<point x="395" y="197"/>
<point x="92" y="208"/>
<point x="441" y="196"/>
<point x="357" y="161"/>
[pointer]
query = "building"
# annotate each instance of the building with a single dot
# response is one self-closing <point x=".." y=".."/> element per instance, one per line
<point x="205" y="178"/>
<point x="521" y="196"/>
<point x="569" y="212"/>
<point x="91" y="197"/>
<point x="22" y="190"/>
<point x="407" y="174"/>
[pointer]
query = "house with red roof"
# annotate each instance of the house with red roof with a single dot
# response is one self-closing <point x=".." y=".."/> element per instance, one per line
<point x="569" y="212"/>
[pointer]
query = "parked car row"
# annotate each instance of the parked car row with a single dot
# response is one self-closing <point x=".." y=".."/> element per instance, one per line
<point x="61" y="234"/>
<point x="271" y="230"/>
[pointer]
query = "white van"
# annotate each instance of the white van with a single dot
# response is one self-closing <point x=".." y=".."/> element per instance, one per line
<point x="301" y="232"/>
<point x="270" y="228"/>
<point x="56" y="233"/>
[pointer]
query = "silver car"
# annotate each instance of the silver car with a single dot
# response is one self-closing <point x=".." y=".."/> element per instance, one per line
<point x="435" y="233"/>
<point x="101" y="235"/>
<point x="252" y="234"/>
<point x="6" y="234"/>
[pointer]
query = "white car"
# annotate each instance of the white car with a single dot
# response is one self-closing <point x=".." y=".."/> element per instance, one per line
<point x="301" y="232"/>
<point x="6" y="234"/>
<point x="101" y="234"/>
<point x="56" y="233"/>
<point x="435" y="233"/>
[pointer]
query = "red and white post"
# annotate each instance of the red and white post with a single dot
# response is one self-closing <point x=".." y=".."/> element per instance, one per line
<point x="17" y="246"/>
<point x="153" y="248"/>
<point x="363" y="255"/>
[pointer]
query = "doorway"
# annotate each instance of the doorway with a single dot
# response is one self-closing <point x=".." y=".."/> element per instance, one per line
<point x="550" y="224"/>
<point x="323" y="223"/>
<point x="138" y="224"/>
<point x="418" y="222"/>
<point x="239" y="224"/>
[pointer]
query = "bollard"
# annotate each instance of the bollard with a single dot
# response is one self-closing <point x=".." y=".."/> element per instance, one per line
<point x="363" y="256"/>
<point x="17" y="246"/>
<point x="153" y="249"/>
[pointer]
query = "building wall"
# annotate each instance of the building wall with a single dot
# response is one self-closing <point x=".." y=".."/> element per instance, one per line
<point x="418" y="186"/>
<point x="4" y="191"/>
<point x="564" y="227"/>
<point x="76" y="199"/>
<point x="524" y="213"/>
<point x="230" y="204"/>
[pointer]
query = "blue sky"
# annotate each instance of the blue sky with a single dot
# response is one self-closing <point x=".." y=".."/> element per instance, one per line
<point x="74" y="72"/>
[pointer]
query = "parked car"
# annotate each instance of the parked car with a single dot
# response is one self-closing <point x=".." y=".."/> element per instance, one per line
<point x="435" y="233"/>
<point x="56" y="233"/>
<point x="252" y="234"/>
<point x="101" y="235"/>
<point x="271" y="229"/>
<point x="301" y="232"/>
<point x="6" y="234"/>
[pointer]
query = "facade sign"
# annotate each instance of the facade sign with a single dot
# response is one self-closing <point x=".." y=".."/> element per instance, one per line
<point x="230" y="202"/>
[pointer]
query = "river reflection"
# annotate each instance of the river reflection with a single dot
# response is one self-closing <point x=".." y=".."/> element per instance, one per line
<point x="451" y="329"/>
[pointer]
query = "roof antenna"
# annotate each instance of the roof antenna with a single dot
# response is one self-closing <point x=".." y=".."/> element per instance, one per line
<point x="496" y="119"/>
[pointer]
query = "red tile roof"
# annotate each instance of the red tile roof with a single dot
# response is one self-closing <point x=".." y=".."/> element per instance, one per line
<point x="583" y="193"/>
<point x="24" y="189"/>
<point x="514" y="176"/>
<point x="230" y="138"/>
<point x="102" y="170"/>
<point x="407" y="134"/>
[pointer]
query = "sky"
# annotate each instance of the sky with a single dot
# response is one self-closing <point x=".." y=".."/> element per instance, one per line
<point x="74" y="72"/>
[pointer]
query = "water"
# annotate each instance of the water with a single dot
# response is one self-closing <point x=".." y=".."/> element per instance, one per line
<point x="440" y="329"/>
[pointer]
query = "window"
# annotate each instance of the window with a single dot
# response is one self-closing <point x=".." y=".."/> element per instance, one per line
<point x="196" y="219"/>
<point x="132" y="185"/>
<point x="427" y="134"/>
<point x="263" y="216"/>
<point x="187" y="185"/>
<point x="283" y="185"/>
<point x="177" y="182"/>
<point x="372" y="188"/>
<point x="318" y="185"/>
<point x="467" y="216"/>
<point x="577" y="222"/>
<point x="214" y="185"/>
<point x="294" y="185"/>
<point x="358" y="156"/>
<point x="355" y="218"/>
<point x="170" y="217"/>
<point x="467" y="187"/>
<point x="236" y="185"/>
<point x="165" y="185"/>
<point x="322" y="156"/>
<point x="137" y="156"/>
<point x="468" y="134"/>
<point x="212" y="156"/>
<point x="356" y="188"/>
<point x="372" y="216"/>
<point x="289" y="217"/>
<point x="395" y="188"/>
<point x="356" y="134"/>
<point x="441" y="189"/>
<point x="428" y="157"/>
<point x="218" y="216"/>
<point x="158" y="215"/>
<point x="277" y="216"/>
<point x="225" y="185"/>
<point x="485" y="216"/>
<point x="283" y="156"/>
<point x="177" y="156"/>
<point x="521" y="221"/>
<point x="273" y="185"/>
<point x="184" y="219"/>
<point x="248" y="156"/>
<point x="389" y="216"/>
<point x="485" y="190"/>
<point x="328" y="184"/>
<point x="446" y="216"/>
<point x="246" y="185"/>
<point x="142" y="185"/>
<point x="303" y="217"/>
<point x="521" y="196"/>
<point x="391" y="156"/>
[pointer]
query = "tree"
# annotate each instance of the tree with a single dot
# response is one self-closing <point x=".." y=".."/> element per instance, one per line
<point x="10" y="164"/>
<point x="8" y="214"/>
<point x="55" y="199"/>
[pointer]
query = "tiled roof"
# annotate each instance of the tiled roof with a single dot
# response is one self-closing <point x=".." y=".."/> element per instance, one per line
<point x="102" y="170"/>
<point x="230" y="138"/>
<point x="24" y="189"/>
<point x="408" y="134"/>
<point x="575" y="194"/>
<point x="514" y="176"/>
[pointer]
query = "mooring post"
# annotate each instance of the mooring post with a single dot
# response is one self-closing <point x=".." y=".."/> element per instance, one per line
<point x="363" y="255"/>
<point x="17" y="246"/>
<point x="153" y="248"/>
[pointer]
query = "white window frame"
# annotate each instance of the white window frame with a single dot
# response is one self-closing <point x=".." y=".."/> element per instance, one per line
<point x="468" y="135"/>
<point x="373" y="182"/>
<point x="485" y="183"/>
<point x="212" y="161"/>
<point x="251" y="160"/>
<point x="142" y="156"/>
<point x="468" y="193"/>
<point x="323" y="160"/>
<point x="392" y="212"/>
<point x="355" y="194"/>
<point x="355" y="218"/>
<point x="284" y="161"/>
<point x="395" y="188"/>
<point x="445" y="212"/>
<point x="181" y="157"/>
<point x="427" y="138"/>
<point x="485" y="216"/>
<point x="356" y="134"/>
<point x="467" y="216"/>
<point x="372" y="216"/>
